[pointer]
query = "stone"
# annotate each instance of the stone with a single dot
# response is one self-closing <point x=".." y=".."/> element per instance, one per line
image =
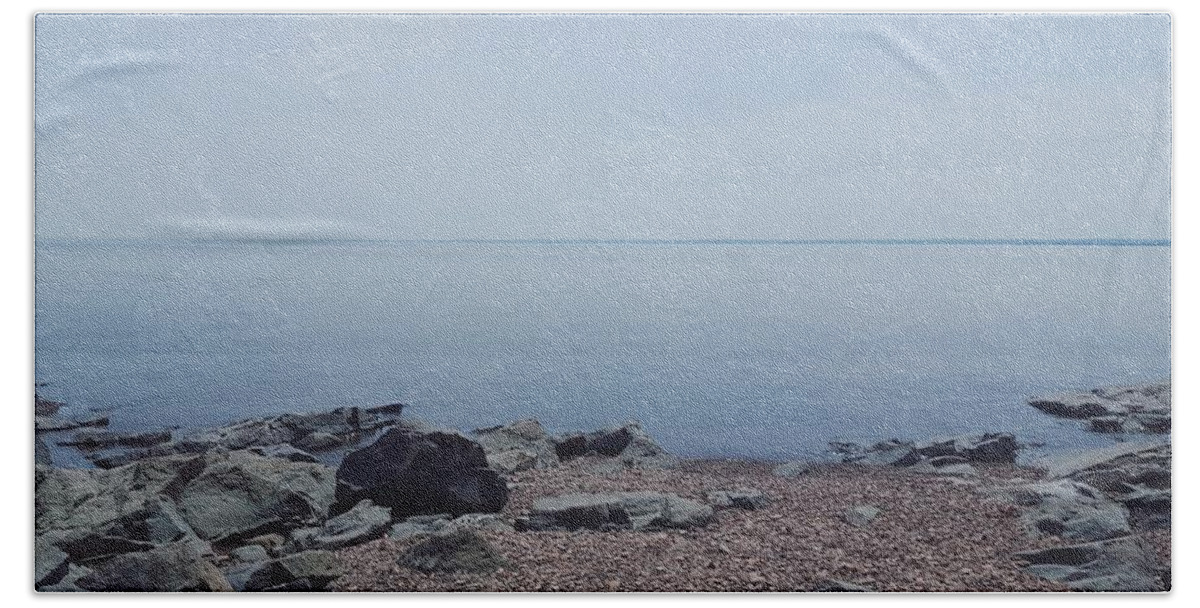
<point x="419" y="525"/>
<point x="304" y="571"/>
<point x="272" y="543"/>
<point x="363" y="523"/>
<point x="1143" y="408"/>
<point x="95" y="440"/>
<point x="241" y="494"/>
<point x="459" y="551"/>
<point x="518" y="446"/>
<point x="285" y="451"/>
<point x="249" y="554"/>
<point x="616" y="511"/>
<point x="41" y="453"/>
<point x="415" y="471"/>
<point x="1071" y="510"/>
<point x="45" y="407"/>
<point x="740" y="498"/>
<point x="50" y="563"/>
<point x="480" y="521"/>
<point x="168" y="568"/>
<point x="45" y="424"/>
<point x="68" y="583"/>
<point x="91" y="498"/>
<point x="794" y="468"/>
<point x="860" y="516"/>
<point x="1121" y="564"/>
<point x="318" y="441"/>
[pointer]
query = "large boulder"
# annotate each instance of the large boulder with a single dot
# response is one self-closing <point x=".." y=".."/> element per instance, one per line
<point x="241" y="494"/>
<point x="169" y="568"/>
<point x="627" y="446"/>
<point x="518" y="446"/>
<point x="415" y="471"/>
<point x="616" y="511"/>
<point x="65" y="499"/>
<point x="1121" y="564"/>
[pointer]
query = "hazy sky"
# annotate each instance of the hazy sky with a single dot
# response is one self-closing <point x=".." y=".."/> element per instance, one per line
<point x="646" y="126"/>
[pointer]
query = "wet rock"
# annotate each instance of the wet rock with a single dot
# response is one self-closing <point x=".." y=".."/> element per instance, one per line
<point x="860" y="515"/>
<point x="284" y="451"/>
<point x="741" y="498"/>
<point x="413" y="472"/>
<point x="69" y="582"/>
<point x="240" y="494"/>
<point x="1122" y="564"/>
<point x="459" y="551"/>
<point x="519" y="446"/>
<point x="174" y="567"/>
<point x="629" y="446"/>
<point x="616" y="511"/>
<point x="45" y="407"/>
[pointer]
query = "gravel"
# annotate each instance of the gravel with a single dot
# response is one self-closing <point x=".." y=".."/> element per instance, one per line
<point x="932" y="534"/>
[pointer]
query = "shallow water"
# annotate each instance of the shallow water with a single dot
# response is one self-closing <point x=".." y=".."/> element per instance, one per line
<point x="722" y="349"/>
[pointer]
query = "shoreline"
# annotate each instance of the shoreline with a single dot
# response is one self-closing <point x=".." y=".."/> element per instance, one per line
<point x="606" y="510"/>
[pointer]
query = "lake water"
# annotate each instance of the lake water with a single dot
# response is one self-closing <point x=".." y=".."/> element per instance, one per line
<point x="720" y="349"/>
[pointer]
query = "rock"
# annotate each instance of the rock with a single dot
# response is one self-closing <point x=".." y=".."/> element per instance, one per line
<point x="169" y="568"/>
<point x="616" y="511"/>
<point x="1122" y="564"/>
<point x="68" y="583"/>
<point x="249" y="554"/>
<point x="480" y="521"/>
<point x="305" y="571"/>
<point x="241" y="494"/>
<point x="518" y="446"/>
<point x="988" y="447"/>
<point x="741" y="498"/>
<point x="629" y="445"/>
<point x="1071" y="510"/>
<point x="49" y="563"/>
<point x="794" y="468"/>
<point x="364" y="522"/>
<point x="95" y="440"/>
<point x="318" y="441"/>
<point x="1070" y="465"/>
<point x="569" y="446"/>
<point x="272" y="543"/>
<point x="415" y="472"/>
<point x="45" y="407"/>
<point x="1135" y="474"/>
<point x="860" y="515"/>
<point x="284" y="451"/>
<point x="459" y="551"/>
<point x="92" y="499"/>
<point x="945" y="465"/>
<point x="43" y="424"/>
<point x="419" y="525"/>
<point x="1126" y="409"/>
<point x="836" y="585"/>
<point x="41" y="453"/>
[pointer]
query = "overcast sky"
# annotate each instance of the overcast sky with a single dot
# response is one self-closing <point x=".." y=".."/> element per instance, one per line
<point x="646" y="126"/>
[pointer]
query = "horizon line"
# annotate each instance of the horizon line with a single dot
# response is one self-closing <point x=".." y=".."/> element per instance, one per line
<point x="301" y="239"/>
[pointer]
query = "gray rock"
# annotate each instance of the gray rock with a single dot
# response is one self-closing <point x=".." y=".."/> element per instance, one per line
<point x="92" y="499"/>
<point x="945" y="465"/>
<point x="241" y="494"/>
<point x="174" y="567"/>
<point x="45" y="407"/>
<point x="363" y="523"/>
<point x="284" y="451"/>
<point x="318" y="441"/>
<point x="740" y="498"/>
<point x="458" y="551"/>
<point x="41" y="453"/>
<point x="1071" y="510"/>
<point x="1126" y="409"/>
<point x="1122" y="564"/>
<point x="419" y="525"/>
<point x="45" y="424"/>
<point x="49" y="563"/>
<point x="413" y="472"/>
<point x="480" y="521"/>
<point x="305" y="571"/>
<point x="617" y="511"/>
<point x="860" y="515"/>
<point x="794" y="468"/>
<point x="249" y="554"/>
<point x="518" y="446"/>
<point x="68" y="583"/>
<point x="95" y="440"/>
<point x="629" y="445"/>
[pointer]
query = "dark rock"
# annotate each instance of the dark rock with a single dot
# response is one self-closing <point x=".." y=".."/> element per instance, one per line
<point x="569" y="446"/>
<point x="1071" y="510"/>
<point x="169" y="568"/>
<point x="45" y="407"/>
<point x="1125" y="409"/>
<point x="415" y="472"/>
<point x="458" y="551"/>
<point x="69" y="582"/>
<point x="49" y="563"/>
<point x="616" y="511"/>
<point x="1106" y="424"/>
<point x="95" y="440"/>
<point x="43" y="424"/>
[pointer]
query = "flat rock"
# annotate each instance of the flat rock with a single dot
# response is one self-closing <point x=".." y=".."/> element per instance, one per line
<point x="1071" y="510"/>
<point x="285" y="451"/>
<point x="1122" y="564"/>
<point x="459" y="551"/>
<point x="518" y="446"/>
<point x="43" y="424"/>
<point x="860" y="515"/>
<point x="1143" y="408"/>
<point x="49" y="563"/>
<point x="617" y="511"/>
<point x="740" y="498"/>
<point x="414" y="471"/>
<point x="365" y="522"/>
<point x="629" y="446"/>
<point x="304" y="571"/>
<point x="419" y="525"/>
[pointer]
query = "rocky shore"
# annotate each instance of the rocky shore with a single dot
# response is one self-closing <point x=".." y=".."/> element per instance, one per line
<point x="259" y="505"/>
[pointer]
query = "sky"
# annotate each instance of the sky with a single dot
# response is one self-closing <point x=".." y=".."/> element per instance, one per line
<point x="603" y="126"/>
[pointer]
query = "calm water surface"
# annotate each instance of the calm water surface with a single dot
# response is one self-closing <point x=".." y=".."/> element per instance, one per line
<point x="721" y="349"/>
